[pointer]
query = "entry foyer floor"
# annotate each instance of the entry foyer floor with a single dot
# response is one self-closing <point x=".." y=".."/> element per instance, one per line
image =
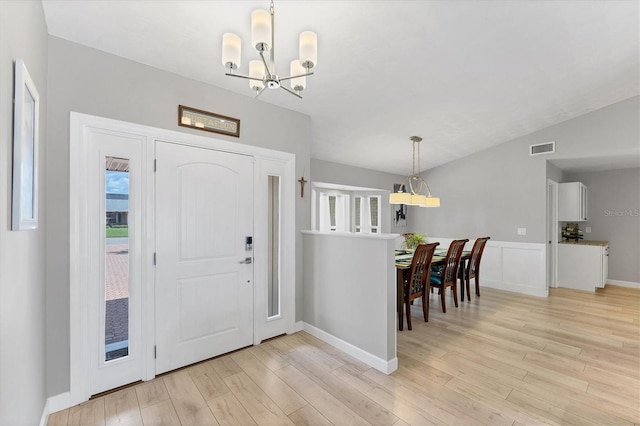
<point x="503" y="358"/>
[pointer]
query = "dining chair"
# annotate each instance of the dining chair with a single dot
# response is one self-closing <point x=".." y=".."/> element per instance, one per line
<point x="418" y="280"/>
<point x="472" y="269"/>
<point x="447" y="276"/>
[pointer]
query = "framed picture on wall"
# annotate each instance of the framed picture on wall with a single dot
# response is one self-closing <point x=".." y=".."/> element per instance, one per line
<point x="400" y="210"/>
<point x="26" y="111"/>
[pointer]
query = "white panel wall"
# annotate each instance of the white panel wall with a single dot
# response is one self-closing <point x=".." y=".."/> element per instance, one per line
<point x="516" y="267"/>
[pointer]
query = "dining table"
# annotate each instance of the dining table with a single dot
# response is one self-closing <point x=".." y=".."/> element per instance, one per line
<point x="403" y="268"/>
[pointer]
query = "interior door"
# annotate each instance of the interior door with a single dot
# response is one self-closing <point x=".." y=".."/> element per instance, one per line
<point x="204" y="269"/>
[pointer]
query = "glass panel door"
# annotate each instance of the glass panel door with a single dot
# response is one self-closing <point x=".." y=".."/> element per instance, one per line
<point x="116" y="260"/>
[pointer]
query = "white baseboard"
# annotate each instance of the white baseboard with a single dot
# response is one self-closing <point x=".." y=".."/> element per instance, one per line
<point x="298" y="326"/>
<point x="630" y="284"/>
<point x="59" y="402"/>
<point x="499" y="285"/>
<point x="379" y="364"/>
<point x="45" y="414"/>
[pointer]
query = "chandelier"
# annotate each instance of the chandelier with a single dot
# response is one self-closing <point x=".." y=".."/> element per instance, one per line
<point x="410" y="189"/>
<point x="262" y="73"/>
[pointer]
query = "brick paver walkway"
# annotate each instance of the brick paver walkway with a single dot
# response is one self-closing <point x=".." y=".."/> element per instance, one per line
<point x="117" y="271"/>
<point x="117" y="295"/>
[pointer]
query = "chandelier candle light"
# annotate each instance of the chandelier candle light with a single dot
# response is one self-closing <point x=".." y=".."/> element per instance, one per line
<point x="414" y="184"/>
<point x="262" y="74"/>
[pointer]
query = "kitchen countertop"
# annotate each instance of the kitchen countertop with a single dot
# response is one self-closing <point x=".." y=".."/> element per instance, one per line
<point x="586" y="243"/>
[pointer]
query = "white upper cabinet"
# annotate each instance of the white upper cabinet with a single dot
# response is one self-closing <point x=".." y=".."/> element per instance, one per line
<point x="572" y="202"/>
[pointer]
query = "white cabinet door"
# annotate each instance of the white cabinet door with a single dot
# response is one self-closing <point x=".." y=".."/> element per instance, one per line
<point x="572" y="198"/>
<point x="580" y="266"/>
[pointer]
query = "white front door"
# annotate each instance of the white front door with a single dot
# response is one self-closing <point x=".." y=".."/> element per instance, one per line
<point x="204" y="269"/>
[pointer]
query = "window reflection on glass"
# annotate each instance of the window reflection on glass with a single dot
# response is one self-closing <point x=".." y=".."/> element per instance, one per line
<point x="116" y="262"/>
<point x="273" y="261"/>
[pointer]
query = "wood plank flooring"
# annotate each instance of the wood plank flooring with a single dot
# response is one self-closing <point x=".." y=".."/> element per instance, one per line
<point x="501" y="359"/>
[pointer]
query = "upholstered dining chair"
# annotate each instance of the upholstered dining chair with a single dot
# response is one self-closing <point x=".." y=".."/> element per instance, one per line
<point x="447" y="276"/>
<point x="472" y="269"/>
<point x="418" y="280"/>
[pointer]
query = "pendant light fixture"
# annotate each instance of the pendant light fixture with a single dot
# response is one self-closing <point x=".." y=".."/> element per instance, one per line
<point x="410" y="189"/>
<point x="262" y="73"/>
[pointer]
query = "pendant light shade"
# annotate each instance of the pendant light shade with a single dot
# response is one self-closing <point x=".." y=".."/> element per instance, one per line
<point x="308" y="49"/>
<point x="231" y="48"/>
<point x="256" y="70"/>
<point x="298" y="83"/>
<point x="261" y="29"/>
<point x="399" y="198"/>
<point x="432" y="202"/>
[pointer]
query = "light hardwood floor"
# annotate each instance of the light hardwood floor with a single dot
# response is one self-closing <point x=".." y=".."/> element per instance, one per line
<point x="501" y="359"/>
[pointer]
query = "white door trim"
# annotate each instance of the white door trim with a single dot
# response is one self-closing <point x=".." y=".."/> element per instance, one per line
<point x="552" y="234"/>
<point x="78" y="327"/>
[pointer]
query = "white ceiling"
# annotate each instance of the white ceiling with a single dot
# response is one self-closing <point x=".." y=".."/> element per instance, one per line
<point x="464" y="75"/>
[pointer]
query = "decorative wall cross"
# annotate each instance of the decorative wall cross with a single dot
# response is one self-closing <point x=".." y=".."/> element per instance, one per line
<point x="302" y="182"/>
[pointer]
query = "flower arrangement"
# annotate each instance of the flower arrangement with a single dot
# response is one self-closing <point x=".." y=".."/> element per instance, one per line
<point x="412" y="240"/>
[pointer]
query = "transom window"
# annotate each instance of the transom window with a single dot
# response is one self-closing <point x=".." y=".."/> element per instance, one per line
<point x="338" y="208"/>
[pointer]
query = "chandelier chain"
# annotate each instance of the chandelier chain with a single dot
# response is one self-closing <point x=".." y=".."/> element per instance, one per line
<point x="413" y="163"/>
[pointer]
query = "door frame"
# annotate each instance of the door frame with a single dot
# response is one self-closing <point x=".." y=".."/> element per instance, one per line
<point x="552" y="234"/>
<point x="80" y="241"/>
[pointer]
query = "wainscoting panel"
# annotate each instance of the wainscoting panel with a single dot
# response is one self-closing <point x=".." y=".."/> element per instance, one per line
<point x="511" y="266"/>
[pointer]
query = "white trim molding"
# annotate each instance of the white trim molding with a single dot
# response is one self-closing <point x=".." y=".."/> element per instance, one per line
<point x="378" y="363"/>
<point x="629" y="284"/>
<point x="60" y="402"/>
<point x="298" y="326"/>
<point x="81" y="126"/>
<point x="44" y="418"/>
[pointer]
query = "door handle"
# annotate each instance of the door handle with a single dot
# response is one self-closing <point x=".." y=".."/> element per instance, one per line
<point x="247" y="260"/>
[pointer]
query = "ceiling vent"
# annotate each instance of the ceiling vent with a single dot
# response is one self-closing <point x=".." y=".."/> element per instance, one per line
<point x="542" y="148"/>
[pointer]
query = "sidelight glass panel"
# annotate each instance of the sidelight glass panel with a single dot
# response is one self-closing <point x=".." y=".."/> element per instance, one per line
<point x="374" y="202"/>
<point x="332" y="212"/>
<point x="273" y="262"/>
<point x="357" y="214"/>
<point x="116" y="261"/>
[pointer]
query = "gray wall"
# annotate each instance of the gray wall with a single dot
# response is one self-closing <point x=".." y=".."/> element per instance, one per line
<point x="554" y="173"/>
<point x="329" y="172"/>
<point x="331" y="291"/>
<point x="89" y="81"/>
<point x="613" y="210"/>
<point x="496" y="191"/>
<point x="23" y="35"/>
